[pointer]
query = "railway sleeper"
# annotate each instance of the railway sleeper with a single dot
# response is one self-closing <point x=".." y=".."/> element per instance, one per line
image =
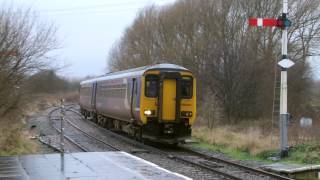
<point x="211" y="164"/>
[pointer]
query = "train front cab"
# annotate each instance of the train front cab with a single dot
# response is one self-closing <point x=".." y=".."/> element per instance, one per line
<point x="168" y="105"/>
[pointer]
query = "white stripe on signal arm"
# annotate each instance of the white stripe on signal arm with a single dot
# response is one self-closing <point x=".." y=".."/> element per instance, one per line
<point x="259" y="22"/>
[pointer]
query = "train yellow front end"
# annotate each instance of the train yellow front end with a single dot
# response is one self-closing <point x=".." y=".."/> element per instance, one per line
<point x="167" y="105"/>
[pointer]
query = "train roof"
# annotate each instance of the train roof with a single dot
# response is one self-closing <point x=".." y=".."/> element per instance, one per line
<point x="134" y="72"/>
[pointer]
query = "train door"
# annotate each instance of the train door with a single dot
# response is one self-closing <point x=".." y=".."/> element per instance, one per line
<point x="133" y="97"/>
<point x="169" y="99"/>
<point x="169" y="96"/>
<point x="93" y="96"/>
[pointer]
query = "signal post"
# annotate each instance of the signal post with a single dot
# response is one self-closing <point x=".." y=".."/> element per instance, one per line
<point x="283" y="23"/>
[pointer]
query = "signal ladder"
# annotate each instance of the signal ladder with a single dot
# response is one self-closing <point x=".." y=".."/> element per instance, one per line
<point x="276" y="97"/>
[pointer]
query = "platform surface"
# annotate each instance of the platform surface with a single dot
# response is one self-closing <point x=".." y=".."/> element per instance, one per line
<point x="80" y="166"/>
<point x="291" y="168"/>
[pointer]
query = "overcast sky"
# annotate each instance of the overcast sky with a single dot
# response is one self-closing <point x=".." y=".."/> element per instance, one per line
<point x="87" y="29"/>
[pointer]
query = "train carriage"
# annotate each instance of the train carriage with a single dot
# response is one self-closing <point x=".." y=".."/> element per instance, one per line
<point x="153" y="102"/>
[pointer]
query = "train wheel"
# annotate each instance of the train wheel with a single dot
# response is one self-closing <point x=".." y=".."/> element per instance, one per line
<point x="116" y="124"/>
<point x="99" y="118"/>
<point x="94" y="117"/>
<point x="104" y="123"/>
<point x="85" y="114"/>
<point x="100" y="122"/>
<point x="139" y="134"/>
<point x="109" y="124"/>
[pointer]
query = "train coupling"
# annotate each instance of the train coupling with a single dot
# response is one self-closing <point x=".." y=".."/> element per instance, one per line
<point x="168" y="129"/>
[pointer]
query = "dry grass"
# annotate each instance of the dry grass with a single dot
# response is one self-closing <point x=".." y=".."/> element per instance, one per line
<point x="14" y="137"/>
<point x="43" y="101"/>
<point x="251" y="139"/>
<point x="38" y="103"/>
<point x="255" y="136"/>
<point x="300" y="135"/>
<point x="71" y="97"/>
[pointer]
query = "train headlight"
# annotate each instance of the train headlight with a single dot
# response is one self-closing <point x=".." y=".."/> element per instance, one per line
<point x="186" y="114"/>
<point x="148" y="112"/>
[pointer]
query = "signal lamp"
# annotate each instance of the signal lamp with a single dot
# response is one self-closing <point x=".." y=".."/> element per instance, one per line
<point x="283" y="22"/>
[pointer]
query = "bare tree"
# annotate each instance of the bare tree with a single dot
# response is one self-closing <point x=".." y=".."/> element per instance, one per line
<point x="24" y="44"/>
<point x="233" y="61"/>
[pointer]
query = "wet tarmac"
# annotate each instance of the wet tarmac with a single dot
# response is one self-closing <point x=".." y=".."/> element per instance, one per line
<point x="82" y="166"/>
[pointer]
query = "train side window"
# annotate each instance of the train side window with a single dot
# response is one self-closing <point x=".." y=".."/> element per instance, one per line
<point x="152" y="86"/>
<point x="186" y="87"/>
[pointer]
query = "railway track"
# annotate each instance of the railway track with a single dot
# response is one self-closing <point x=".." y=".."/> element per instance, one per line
<point x="232" y="163"/>
<point x="225" y="168"/>
<point x="69" y="139"/>
<point x="73" y="140"/>
<point x="153" y="149"/>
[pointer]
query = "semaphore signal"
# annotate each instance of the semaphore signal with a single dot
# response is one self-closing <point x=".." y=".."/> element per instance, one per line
<point x="284" y="23"/>
<point x="260" y="22"/>
<point x="269" y="22"/>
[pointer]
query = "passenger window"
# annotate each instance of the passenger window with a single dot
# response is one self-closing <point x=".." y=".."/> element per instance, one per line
<point x="186" y="87"/>
<point x="152" y="86"/>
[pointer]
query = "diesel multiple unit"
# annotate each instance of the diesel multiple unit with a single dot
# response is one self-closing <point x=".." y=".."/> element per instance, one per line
<point x="153" y="102"/>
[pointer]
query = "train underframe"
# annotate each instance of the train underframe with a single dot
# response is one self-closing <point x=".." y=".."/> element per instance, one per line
<point x="164" y="132"/>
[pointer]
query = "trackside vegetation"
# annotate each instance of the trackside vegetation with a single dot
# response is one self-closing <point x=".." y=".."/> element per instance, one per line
<point x="256" y="148"/>
<point x="25" y="42"/>
<point x="14" y="140"/>
<point x="27" y="76"/>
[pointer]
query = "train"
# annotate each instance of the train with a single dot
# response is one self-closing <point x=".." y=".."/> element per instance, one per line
<point x="156" y="102"/>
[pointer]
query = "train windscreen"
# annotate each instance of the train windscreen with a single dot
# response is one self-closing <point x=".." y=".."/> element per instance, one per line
<point x="152" y="86"/>
<point x="186" y="87"/>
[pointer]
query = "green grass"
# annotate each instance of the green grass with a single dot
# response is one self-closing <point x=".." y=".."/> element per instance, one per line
<point x="308" y="153"/>
<point x="233" y="153"/>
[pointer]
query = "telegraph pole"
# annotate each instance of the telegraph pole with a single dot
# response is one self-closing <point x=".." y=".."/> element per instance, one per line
<point x="284" y="23"/>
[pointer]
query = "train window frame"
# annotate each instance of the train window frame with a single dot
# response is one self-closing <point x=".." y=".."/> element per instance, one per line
<point x="151" y="77"/>
<point x="189" y="96"/>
